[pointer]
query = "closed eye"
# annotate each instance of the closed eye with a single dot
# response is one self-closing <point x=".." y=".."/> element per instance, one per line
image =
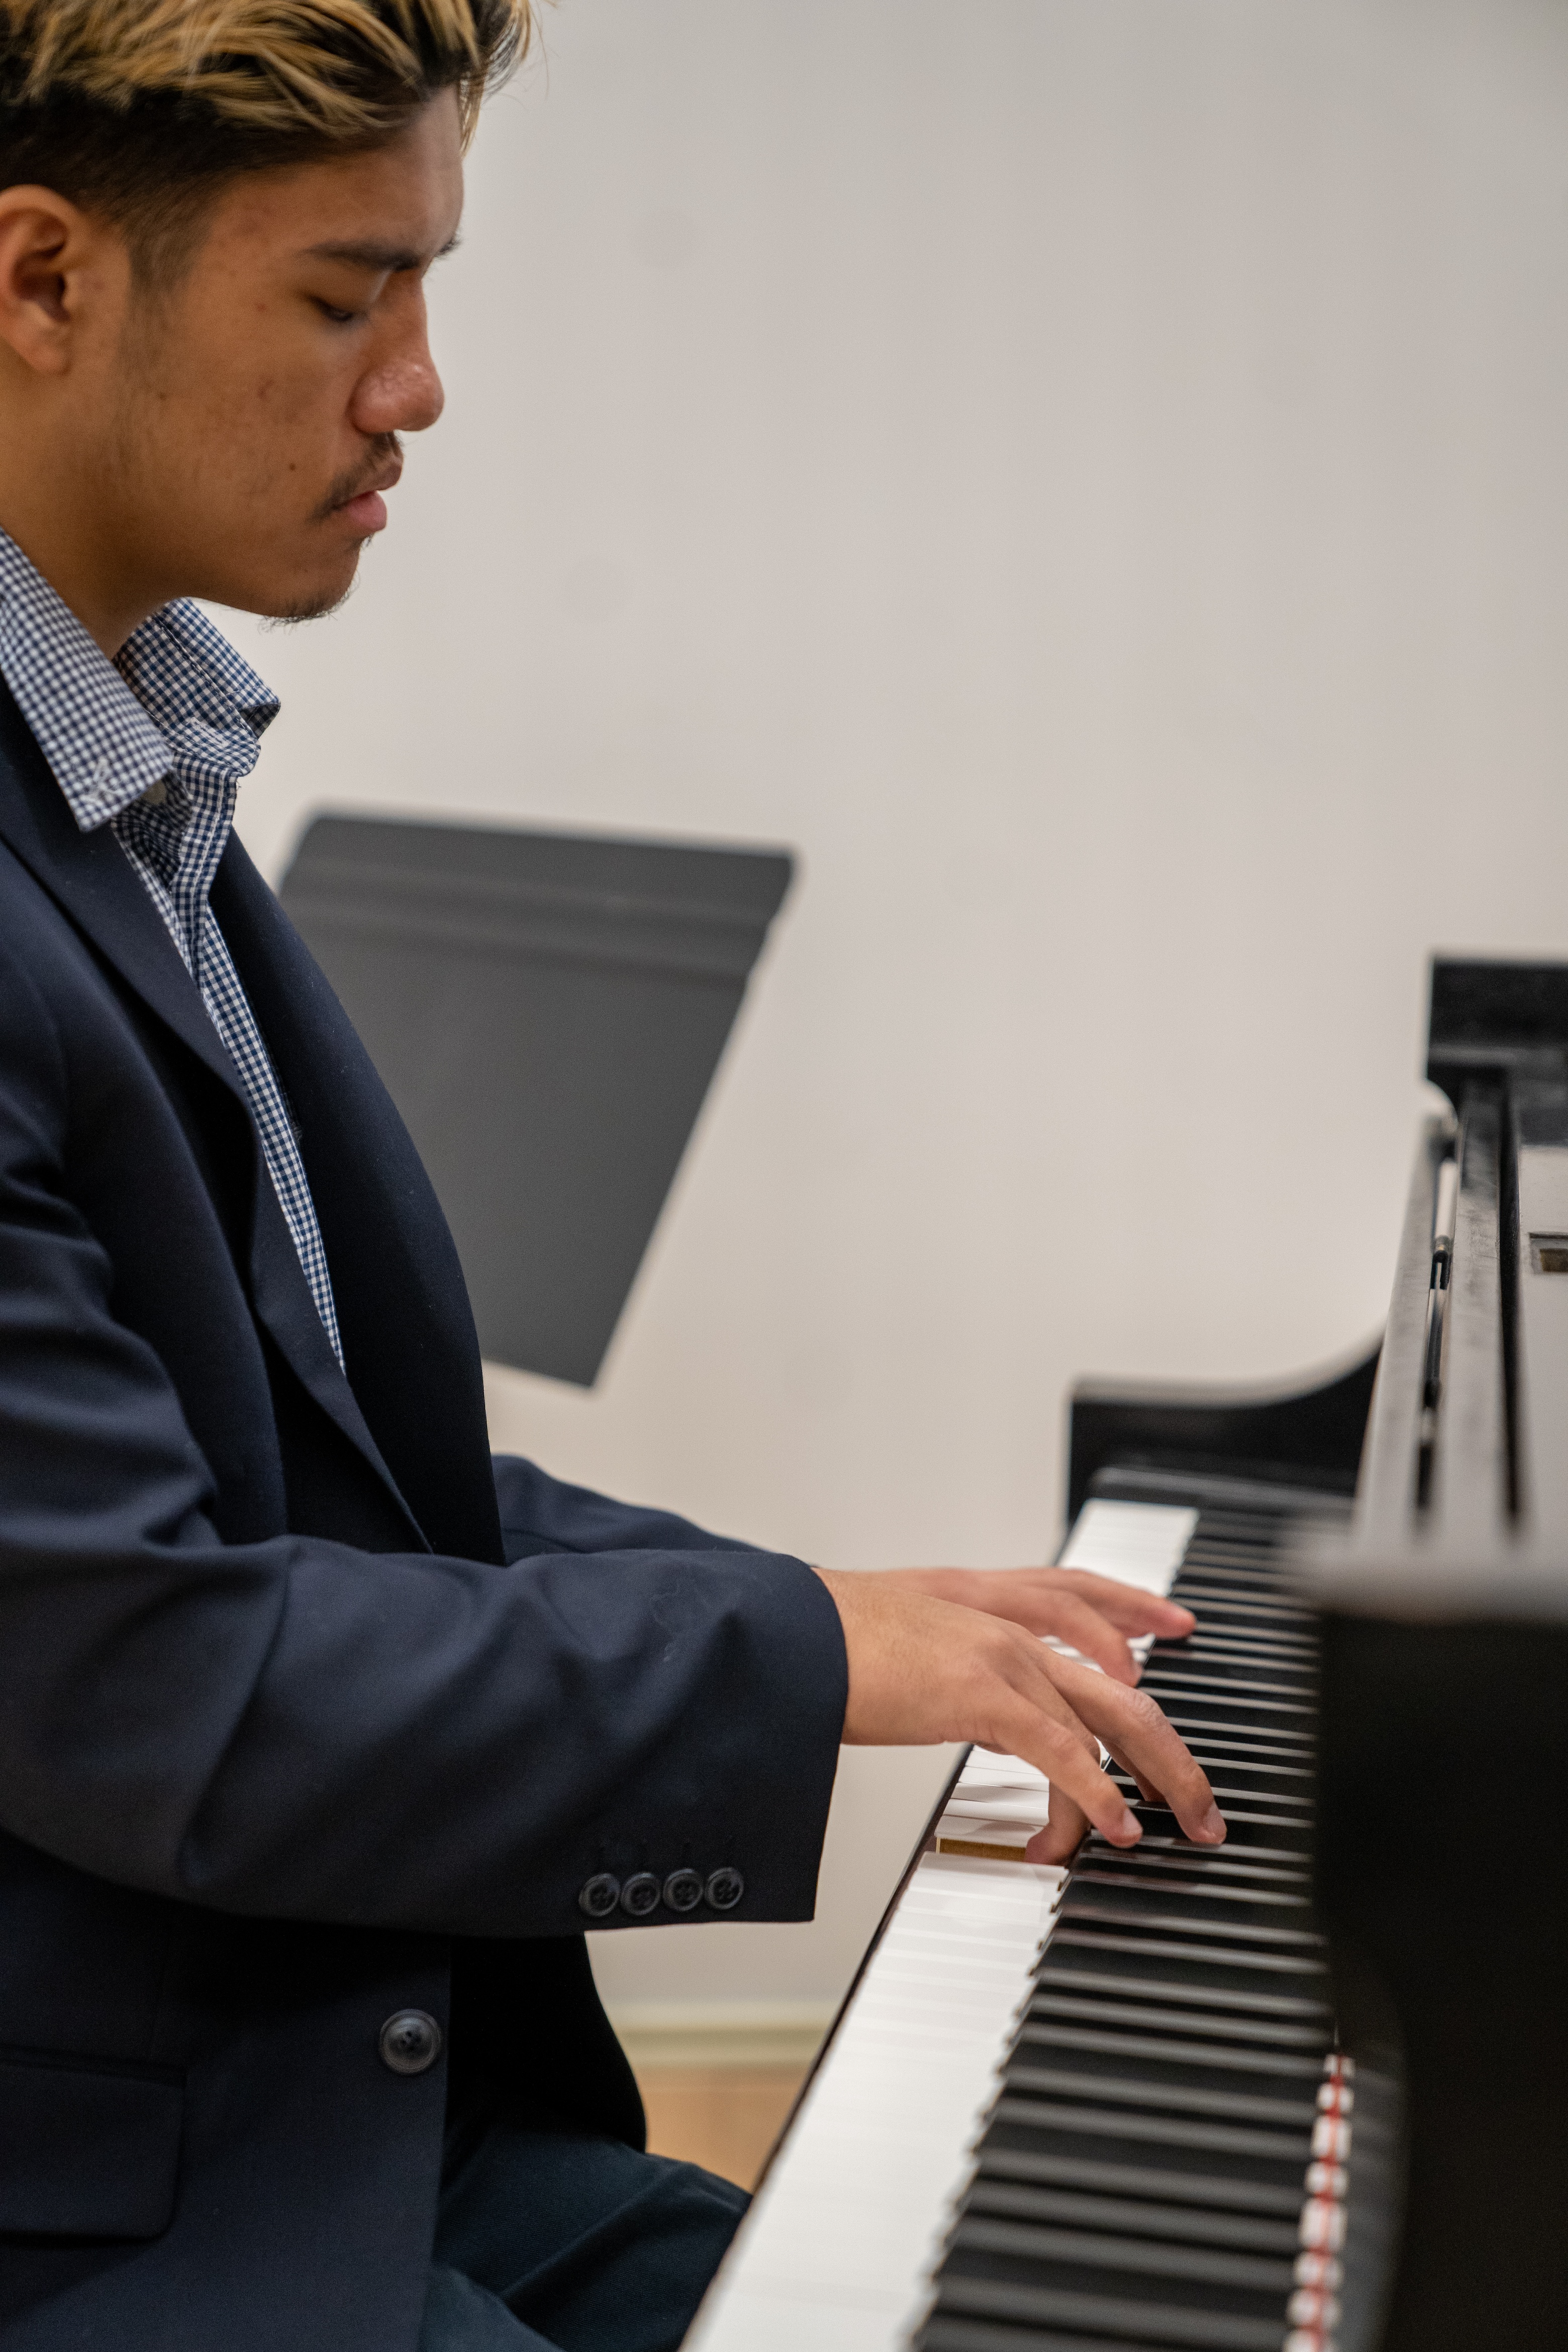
<point x="339" y="318"/>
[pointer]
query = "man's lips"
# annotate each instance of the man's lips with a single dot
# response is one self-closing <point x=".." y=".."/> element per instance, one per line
<point x="366" y="510"/>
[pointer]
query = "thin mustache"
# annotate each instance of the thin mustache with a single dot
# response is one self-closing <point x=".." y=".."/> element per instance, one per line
<point x="380" y="473"/>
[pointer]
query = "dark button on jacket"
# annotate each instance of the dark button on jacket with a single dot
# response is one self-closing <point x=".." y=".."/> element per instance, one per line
<point x="410" y="2042"/>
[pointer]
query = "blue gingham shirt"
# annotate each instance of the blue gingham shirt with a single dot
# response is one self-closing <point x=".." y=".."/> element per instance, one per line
<point x="154" y="744"/>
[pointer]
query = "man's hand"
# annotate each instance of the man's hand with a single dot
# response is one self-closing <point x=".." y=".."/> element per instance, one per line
<point x="1091" y="1613"/>
<point x="924" y="1670"/>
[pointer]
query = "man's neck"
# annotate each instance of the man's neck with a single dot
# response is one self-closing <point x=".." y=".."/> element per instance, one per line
<point x="111" y="608"/>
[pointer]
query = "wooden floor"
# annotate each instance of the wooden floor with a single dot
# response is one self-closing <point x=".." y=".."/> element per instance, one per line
<point x="724" y="2117"/>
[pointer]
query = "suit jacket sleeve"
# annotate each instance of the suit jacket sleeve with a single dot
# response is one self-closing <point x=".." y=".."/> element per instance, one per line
<point x="541" y="1514"/>
<point x="295" y="1728"/>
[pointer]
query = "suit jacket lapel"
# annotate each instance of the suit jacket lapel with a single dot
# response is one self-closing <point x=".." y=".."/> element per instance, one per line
<point x="89" y="875"/>
<point x="403" y="1304"/>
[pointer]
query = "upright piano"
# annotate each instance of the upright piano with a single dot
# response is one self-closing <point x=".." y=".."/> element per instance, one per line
<point x="1308" y="2093"/>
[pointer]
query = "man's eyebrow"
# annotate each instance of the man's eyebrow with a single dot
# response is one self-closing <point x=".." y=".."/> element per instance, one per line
<point x="366" y="253"/>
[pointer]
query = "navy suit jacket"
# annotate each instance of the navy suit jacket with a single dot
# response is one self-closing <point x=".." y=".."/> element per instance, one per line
<point x="309" y="1713"/>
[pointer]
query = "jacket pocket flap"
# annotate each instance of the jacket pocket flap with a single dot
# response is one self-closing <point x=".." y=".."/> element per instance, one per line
<point x="85" y="2152"/>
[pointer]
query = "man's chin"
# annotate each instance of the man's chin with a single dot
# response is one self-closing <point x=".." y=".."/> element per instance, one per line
<point x="315" y="599"/>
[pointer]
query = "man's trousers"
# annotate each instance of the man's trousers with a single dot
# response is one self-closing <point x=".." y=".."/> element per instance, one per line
<point x="550" y="2240"/>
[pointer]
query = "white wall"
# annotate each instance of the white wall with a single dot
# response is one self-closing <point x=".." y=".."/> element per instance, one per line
<point x="1093" y="476"/>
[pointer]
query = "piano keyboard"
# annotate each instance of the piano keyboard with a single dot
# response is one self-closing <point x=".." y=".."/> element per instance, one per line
<point x="1093" y="2110"/>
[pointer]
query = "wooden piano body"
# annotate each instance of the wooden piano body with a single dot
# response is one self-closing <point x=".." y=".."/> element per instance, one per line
<point x="1310" y="2094"/>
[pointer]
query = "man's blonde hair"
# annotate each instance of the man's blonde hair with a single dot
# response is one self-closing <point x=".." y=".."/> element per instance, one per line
<point x="332" y="66"/>
<point x="143" y="108"/>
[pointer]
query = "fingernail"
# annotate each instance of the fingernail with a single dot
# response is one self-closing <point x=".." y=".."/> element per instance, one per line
<point x="1212" y="1826"/>
<point x="1131" y="1827"/>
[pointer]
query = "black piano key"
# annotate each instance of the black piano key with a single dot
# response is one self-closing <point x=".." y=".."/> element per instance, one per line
<point x="1169" y="1986"/>
<point x="1257" y="1554"/>
<point x="1142" y="2049"/>
<point x="1227" y="1558"/>
<point x="1237" y="1708"/>
<point x="1254" y="1531"/>
<point x="1265" y="1568"/>
<point x="1247" y="1618"/>
<point x="1287" y="1692"/>
<point x="1250" y="1669"/>
<point x="1159" y="1912"/>
<point x="1246" y="1633"/>
<point x="1161" y="1866"/>
<point x="1236" y="1788"/>
<point x="1188" y="2224"/>
<point x="1236" y="1588"/>
<point x="1229" y="1650"/>
<point x="1054" y="2120"/>
<point x="1130" y="2257"/>
<point x="1216" y="1628"/>
<point x="1146" y="2324"/>
<point x="1252" y="1772"/>
<point x="1253" y="1827"/>
<point x="1146" y="2092"/>
<point x="1244" y="1696"/>
<point x="1184" y="1854"/>
<point x="945" y="2334"/>
<point x="1171" y="1840"/>
<point x="1265" y="2062"/>
<point x="1213" y="2192"/>
<point x="1239" y="1609"/>
<point x="1158" y="1859"/>
<point x="1169" y="1877"/>
<point x="1237" y="1740"/>
<point x="1226" y="1971"/>
<point x="1204" y="2024"/>
<point x="1205" y="1710"/>
<point x="1240" y="1657"/>
<point x="1214" y="1941"/>
<point x="1214" y="1632"/>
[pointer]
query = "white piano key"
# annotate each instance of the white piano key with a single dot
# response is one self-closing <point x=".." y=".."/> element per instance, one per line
<point x="840" y="2245"/>
<point x="997" y="1805"/>
<point x="1138" y="1543"/>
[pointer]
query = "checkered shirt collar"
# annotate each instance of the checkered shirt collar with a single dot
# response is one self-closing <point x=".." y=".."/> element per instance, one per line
<point x="177" y="700"/>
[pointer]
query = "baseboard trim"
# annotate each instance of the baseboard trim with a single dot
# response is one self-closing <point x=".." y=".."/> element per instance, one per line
<point x="697" y="2034"/>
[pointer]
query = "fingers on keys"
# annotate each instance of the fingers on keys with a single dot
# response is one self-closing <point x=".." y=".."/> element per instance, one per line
<point x="1126" y="1608"/>
<point x="1137" y="1735"/>
<point x="1038" y="1724"/>
<point x="1077" y="1621"/>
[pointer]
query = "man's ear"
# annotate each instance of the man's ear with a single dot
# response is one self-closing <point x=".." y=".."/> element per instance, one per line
<point x="51" y="269"/>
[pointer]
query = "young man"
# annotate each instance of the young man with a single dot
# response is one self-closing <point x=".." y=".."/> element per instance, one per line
<point x="323" y="1738"/>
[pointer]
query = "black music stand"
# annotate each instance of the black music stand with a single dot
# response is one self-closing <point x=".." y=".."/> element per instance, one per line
<point x="547" y="1011"/>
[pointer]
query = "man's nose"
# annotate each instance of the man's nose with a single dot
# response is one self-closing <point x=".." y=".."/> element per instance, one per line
<point x="402" y="394"/>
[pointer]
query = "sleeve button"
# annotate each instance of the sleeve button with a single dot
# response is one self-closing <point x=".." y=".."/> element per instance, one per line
<point x="725" y="1888"/>
<point x="640" y="1895"/>
<point x="410" y="2042"/>
<point x="600" y="1896"/>
<point x="683" y="1890"/>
